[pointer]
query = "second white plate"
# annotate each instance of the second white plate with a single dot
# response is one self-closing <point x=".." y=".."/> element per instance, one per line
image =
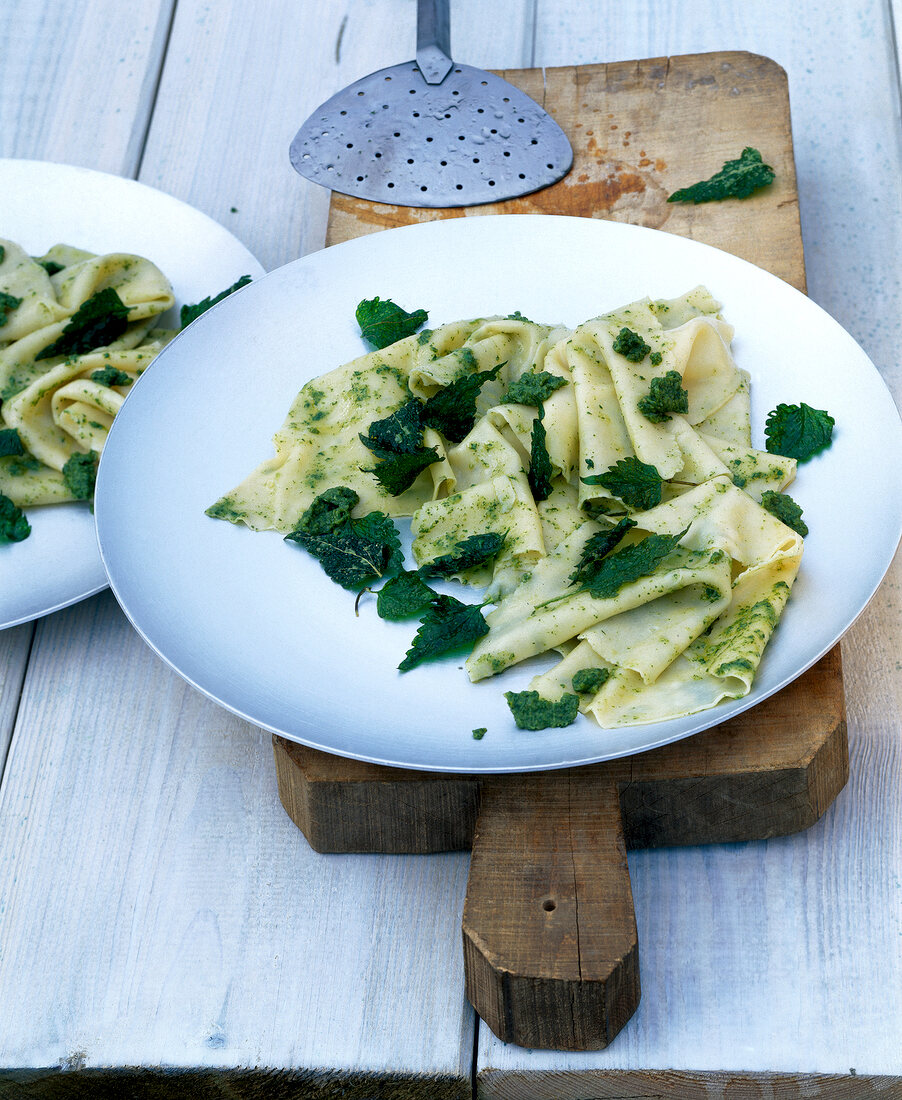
<point x="255" y="623"/>
<point x="43" y="204"/>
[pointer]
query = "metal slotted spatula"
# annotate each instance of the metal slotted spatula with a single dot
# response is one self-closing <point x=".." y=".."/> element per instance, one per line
<point x="432" y="132"/>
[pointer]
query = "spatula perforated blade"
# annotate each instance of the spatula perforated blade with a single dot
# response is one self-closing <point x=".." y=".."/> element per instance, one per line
<point x="431" y="132"/>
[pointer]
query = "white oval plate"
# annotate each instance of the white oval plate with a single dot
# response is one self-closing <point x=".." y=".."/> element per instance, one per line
<point x="255" y="624"/>
<point x="42" y="204"/>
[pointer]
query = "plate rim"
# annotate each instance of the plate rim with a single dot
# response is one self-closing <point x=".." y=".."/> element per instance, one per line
<point x="64" y="172"/>
<point x="736" y="708"/>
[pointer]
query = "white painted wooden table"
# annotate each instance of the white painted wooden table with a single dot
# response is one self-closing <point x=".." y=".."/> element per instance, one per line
<point x="159" y="913"/>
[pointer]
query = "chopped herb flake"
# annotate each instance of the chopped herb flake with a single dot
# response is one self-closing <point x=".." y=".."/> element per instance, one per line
<point x="532" y="712"/>
<point x="589" y="680"/>
<point x="10" y="443"/>
<point x="665" y="395"/>
<point x="98" y="321"/>
<point x="631" y="346"/>
<point x="8" y="302"/>
<point x="533" y="389"/>
<point x="80" y="473"/>
<point x="14" y="527"/>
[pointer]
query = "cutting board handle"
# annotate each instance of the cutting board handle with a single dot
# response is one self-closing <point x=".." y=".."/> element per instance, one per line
<point x="551" y="952"/>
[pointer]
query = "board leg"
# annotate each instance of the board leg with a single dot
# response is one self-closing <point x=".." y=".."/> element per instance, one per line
<point x="551" y="953"/>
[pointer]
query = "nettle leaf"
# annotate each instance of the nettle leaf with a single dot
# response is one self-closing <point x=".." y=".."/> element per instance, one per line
<point x="785" y="509"/>
<point x="397" y="440"/>
<point x="452" y="411"/>
<point x="383" y="323"/>
<point x="539" y="475"/>
<point x="329" y="510"/>
<point x="798" y="431"/>
<point x="403" y="597"/>
<point x="532" y="712"/>
<point x="10" y="444"/>
<point x="351" y="551"/>
<point x="447" y="627"/>
<point x="467" y="554"/>
<point x="96" y="323"/>
<point x="396" y="473"/>
<point x="400" y="433"/>
<point x="665" y="396"/>
<point x="189" y="313"/>
<point x="533" y="389"/>
<point x="630" y="564"/>
<point x="736" y="180"/>
<point x="597" y="547"/>
<point x="636" y="483"/>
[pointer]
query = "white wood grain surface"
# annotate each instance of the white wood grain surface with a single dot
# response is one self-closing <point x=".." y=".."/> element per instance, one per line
<point x="156" y="905"/>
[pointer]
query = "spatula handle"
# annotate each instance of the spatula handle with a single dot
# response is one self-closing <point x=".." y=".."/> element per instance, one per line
<point x="433" y="40"/>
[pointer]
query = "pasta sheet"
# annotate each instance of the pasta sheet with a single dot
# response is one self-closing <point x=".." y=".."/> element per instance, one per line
<point x="675" y="639"/>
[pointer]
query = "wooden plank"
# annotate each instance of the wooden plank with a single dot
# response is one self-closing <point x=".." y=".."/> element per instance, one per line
<point x="78" y="80"/>
<point x="791" y="988"/>
<point x="550" y="946"/>
<point x="770" y="771"/>
<point x="45" y="104"/>
<point x="626" y="123"/>
<point x="200" y="933"/>
<point x="200" y="930"/>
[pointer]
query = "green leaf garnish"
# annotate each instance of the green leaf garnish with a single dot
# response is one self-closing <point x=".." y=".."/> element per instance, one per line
<point x="785" y="509"/>
<point x="80" y="473"/>
<point x="403" y="596"/>
<point x="111" y="376"/>
<point x="798" y="431"/>
<point x="597" y="547"/>
<point x="467" y="554"/>
<point x="539" y="474"/>
<point x="8" y="302"/>
<point x="533" y="389"/>
<point x="447" y="627"/>
<point x="636" y="483"/>
<point x="665" y="395"/>
<point x="397" y="441"/>
<point x="400" y="433"/>
<point x="630" y="564"/>
<point x="532" y="712"/>
<point x="14" y="527"/>
<point x="10" y="443"/>
<point x="631" y="346"/>
<point x="51" y="266"/>
<point x="189" y="313"/>
<point x="736" y="180"/>
<point x="352" y="552"/>
<point x="97" y="322"/>
<point x="452" y="411"/>
<point x="589" y="680"/>
<point x="398" y="472"/>
<point x="383" y="323"/>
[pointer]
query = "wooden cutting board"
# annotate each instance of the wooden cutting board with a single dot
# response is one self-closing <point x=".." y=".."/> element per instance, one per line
<point x="551" y="952"/>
